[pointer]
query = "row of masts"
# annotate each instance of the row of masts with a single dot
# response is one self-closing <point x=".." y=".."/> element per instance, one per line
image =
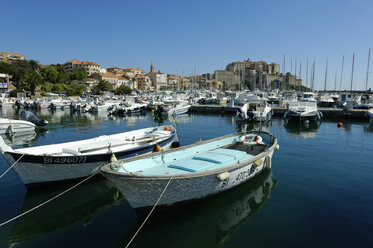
<point x="312" y="78"/>
<point x="312" y="74"/>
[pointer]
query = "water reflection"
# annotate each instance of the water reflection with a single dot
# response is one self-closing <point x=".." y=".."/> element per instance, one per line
<point x="209" y="223"/>
<point x="303" y="130"/>
<point x="24" y="138"/>
<point x="244" y="126"/>
<point x="178" y="119"/>
<point x="81" y="204"/>
<point x="369" y="128"/>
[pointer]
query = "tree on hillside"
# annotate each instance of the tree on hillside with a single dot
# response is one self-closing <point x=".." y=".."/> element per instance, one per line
<point x="50" y="74"/>
<point x="123" y="90"/>
<point x="102" y="85"/>
<point x="31" y="81"/>
<point x="5" y="67"/>
<point x="76" y="89"/>
<point x="78" y="74"/>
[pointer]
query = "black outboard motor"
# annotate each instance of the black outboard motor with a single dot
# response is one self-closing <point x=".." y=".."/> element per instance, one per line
<point x="250" y="114"/>
<point x="29" y="116"/>
<point x="159" y="110"/>
<point x="18" y="104"/>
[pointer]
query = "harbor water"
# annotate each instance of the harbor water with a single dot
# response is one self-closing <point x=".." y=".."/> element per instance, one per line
<point x="319" y="192"/>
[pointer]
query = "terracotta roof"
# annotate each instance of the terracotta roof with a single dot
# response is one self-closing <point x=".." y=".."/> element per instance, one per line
<point x="77" y="62"/>
<point x="123" y="78"/>
<point x="14" y="53"/>
<point x="108" y="74"/>
<point x="114" y="67"/>
<point x="71" y="61"/>
<point x="133" y="68"/>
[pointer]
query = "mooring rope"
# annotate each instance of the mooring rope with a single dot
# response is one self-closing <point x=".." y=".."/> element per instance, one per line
<point x="151" y="211"/>
<point x="47" y="201"/>
<point x="12" y="166"/>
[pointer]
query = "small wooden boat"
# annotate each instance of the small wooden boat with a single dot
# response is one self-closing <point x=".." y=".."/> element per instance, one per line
<point x="15" y="126"/>
<point x="72" y="160"/>
<point x="192" y="172"/>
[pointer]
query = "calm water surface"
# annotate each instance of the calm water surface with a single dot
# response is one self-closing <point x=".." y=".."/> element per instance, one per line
<point x="319" y="192"/>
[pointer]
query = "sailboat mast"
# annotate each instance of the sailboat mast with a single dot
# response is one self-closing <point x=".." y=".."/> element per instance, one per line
<point x="335" y="81"/>
<point x="307" y="74"/>
<point x="340" y="82"/>
<point x="326" y="74"/>
<point x="300" y="72"/>
<point x="283" y="73"/>
<point x="352" y="72"/>
<point x="366" y="83"/>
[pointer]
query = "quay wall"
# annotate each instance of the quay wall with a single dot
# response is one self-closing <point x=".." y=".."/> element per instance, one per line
<point x="360" y="114"/>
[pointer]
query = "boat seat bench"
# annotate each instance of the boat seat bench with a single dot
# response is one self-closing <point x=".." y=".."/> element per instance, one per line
<point x="208" y="160"/>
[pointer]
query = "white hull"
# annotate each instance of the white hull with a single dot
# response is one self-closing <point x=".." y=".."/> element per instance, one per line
<point x="78" y="159"/>
<point x="179" y="110"/>
<point x="15" y="126"/>
<point x="142" y="194"/>
<point x="195" y="172"/>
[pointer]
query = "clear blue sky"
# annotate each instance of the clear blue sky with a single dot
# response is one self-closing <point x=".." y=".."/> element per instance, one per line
<point x="193" y="36"/>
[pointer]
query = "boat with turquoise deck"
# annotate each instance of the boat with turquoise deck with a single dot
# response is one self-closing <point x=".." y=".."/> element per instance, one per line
<point x="192" y="172"/>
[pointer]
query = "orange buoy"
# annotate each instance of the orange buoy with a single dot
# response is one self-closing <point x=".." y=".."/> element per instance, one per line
<point x="339" y="125"/>
<point x="167" y="128"/>
<point x="157" y="148"/>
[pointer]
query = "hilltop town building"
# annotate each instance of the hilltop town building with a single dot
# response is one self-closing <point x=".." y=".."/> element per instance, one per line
<point x="10" y="57"/>
<point x="90" y="67"/>
<point x="159" y="79"/>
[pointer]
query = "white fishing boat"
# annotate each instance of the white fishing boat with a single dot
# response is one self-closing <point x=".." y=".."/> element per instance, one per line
<point x="177" y="108"/>
<point x="193" y="172"/>
<point x="77" y="159"/>
<point x="303" y="110"/>
<point x="258" y="110"/>
<point x="15" y="126"/>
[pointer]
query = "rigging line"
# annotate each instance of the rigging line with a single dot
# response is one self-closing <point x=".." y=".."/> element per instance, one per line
<point x="12" y="165"/>
<point x="47" y="201"/>
<point x="151" y="211"/>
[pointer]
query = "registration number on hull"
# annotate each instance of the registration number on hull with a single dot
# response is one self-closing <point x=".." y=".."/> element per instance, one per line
<point x="65" y="160"/>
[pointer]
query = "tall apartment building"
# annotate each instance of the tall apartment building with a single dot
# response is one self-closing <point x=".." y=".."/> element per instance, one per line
<point x="90" y="67"/>
<point x="10" y="57"/>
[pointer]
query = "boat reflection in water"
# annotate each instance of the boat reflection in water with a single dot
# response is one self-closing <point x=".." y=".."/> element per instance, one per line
<point x="302" y="130"/>
<point x="369" y="128"/>
<point x="208" y="223"/>
<point x="178" y="119"/>
<point x="78" y="206"/>
<point x="23" y="138"/>
<point x="244" y="126"/>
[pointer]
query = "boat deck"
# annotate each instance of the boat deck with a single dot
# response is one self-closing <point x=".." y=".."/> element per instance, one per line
<point x="188" y="161"/>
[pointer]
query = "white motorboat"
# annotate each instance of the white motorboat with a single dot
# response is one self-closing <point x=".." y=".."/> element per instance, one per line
<point x="77" y="159"/>
<point x="272" y="96"/>
<point x="326" y="101"/>
<point x="15" y="126"/>
<point x="303" y="110"/>
<point x="193" y="172"/>
<point x="287" y="98"/>
<point x="177" y="108"/>
<point x="308" y="97"/>
<point x="255" y="111"/>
